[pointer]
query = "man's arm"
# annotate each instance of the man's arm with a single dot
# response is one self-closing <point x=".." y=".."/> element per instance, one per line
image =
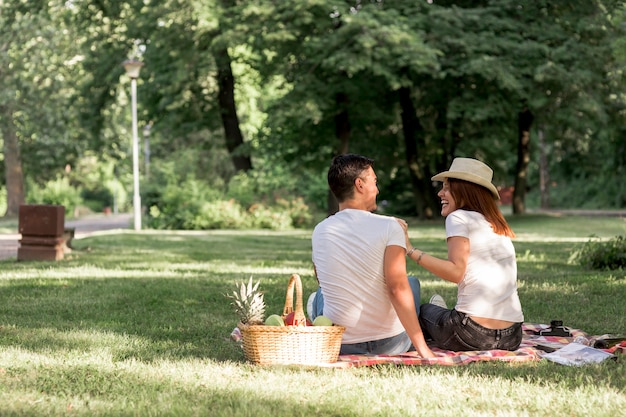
<point x="402" y="297"/>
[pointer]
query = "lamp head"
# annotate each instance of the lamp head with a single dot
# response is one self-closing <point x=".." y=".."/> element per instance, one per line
<point x="132" y="68"/>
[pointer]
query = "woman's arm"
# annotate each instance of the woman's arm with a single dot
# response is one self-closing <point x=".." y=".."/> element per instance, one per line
<point x="451" y="269"/>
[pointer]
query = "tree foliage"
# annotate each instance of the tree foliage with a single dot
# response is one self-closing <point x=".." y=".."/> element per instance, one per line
<point x="280" y="87"/>
<point x="40" y="61"/>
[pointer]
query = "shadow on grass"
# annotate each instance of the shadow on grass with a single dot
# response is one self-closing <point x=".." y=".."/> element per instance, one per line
<point x="98" y="390"/>
<point x="144" y="319"/>
<point x="610" y="373"/>
<point x="149" y="297"/>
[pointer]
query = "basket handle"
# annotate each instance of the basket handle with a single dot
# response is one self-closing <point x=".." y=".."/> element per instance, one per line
<point x="299" y="319"/>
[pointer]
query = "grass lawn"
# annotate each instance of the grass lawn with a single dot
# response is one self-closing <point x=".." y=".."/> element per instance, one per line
<point x="137" y="324"/>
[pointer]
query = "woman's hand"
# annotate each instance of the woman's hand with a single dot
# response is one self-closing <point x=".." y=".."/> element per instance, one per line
<point x="405" y="227"/>
<point x="451" y="269"/>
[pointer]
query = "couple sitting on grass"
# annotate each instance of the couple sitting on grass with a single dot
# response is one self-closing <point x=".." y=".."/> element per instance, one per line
<point x="359" y="261"/>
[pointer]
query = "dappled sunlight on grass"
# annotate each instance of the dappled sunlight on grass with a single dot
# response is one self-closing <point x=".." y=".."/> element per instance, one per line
<point x="528" y="256"/>
<point x="133" y="322"/>
<point x="530" y="237"/>
<point x="274" y="270"/>
<point x="547" y="227"/>
<point x="62" y="274"/>
<point x="39" y="345"/>
<point x="224" y="235"/>
<point x="591" y="305"/>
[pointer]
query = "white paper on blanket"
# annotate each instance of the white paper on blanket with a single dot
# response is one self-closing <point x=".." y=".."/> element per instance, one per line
<point x="575" y="354"/>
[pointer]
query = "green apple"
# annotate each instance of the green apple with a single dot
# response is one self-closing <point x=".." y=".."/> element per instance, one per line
<point x="274" y="320"/>
<point x="322" y="321"/>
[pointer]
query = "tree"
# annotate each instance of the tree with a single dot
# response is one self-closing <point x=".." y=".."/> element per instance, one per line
<point x="524" y="122"/>
<point x="494" y="55"/>
<point x="412" y="84"/>
<point x="342" y="66"/>
<point x="187" y="83"/>
<point x="37" y="57"/>
<point x="12" y="163"/>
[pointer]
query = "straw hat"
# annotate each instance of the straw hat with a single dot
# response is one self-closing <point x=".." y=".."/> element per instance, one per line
<point x="471" y="170"/>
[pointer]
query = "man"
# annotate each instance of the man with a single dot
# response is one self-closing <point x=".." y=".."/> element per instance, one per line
<point x="359" y="261"/>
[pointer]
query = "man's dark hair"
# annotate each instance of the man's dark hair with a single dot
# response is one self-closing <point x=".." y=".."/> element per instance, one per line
<point x="343" y="171"/>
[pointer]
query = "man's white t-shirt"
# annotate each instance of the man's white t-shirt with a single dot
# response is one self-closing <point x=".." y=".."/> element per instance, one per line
<point x="348" y="253"/>
<point x="489" y="287"/>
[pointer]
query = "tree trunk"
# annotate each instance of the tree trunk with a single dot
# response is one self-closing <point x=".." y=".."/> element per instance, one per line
<point x="228" y="111"/>
<point x="524" y="121"/>
<point x="342" y="133"/>
<point x="12" y="165"/>
<point x="544" y="173"/>
<point x="420" y="183"/>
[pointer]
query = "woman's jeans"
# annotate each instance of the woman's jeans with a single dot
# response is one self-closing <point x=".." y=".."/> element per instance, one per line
<point x="453" y="330"/>
<point x="391" y="345"/>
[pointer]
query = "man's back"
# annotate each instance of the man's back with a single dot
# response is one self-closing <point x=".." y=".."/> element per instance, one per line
<point x="348" y="253"/>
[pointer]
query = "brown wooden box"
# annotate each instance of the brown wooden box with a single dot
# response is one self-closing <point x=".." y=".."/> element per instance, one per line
<point x="41" y="220"/>
<point x="42" y="227"/>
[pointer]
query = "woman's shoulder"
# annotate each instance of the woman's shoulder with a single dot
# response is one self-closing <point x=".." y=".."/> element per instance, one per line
<point x="465" y="218"/>
<point x="464" y="215"/>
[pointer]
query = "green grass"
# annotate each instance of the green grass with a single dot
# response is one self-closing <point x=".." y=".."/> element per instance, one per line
<point x="137" y="324"/>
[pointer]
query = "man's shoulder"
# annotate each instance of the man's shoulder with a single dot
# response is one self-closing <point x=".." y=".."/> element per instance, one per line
<point x="326" y="224"/>
<point x="357" y="218"/>
<point x="355" y="215"/>
<point x="377" y="216"/>
<point x="328" y="219"/>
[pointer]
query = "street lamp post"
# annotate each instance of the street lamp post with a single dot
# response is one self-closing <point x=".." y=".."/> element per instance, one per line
<point x="132" y="68"/>
<point x="146" y="148"/>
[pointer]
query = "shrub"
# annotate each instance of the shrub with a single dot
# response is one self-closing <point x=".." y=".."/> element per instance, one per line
<point x="273" y="218"/>
<point x="220" y="214"/>
<point x="244" y="188"/>
<point x="271" y="198"/>
<point x="97" y="198"/>
<point x="297" y="210"/>
<point x="178" y="205"/>
<point x="596" y="254"/>
<point x="259" y="200"/>
<point x="58" y="192"/>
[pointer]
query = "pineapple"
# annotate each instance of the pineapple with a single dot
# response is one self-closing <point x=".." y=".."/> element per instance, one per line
<point x="248" y="303"/>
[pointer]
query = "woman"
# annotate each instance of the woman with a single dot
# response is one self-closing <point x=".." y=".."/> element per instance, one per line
<point x="481" y="261"/>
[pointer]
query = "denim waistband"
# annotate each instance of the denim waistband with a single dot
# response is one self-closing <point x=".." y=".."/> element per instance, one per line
<point x="466" y="320"/>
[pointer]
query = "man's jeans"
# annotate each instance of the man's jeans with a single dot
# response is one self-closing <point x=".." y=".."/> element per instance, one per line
<point x="391" y="345"/>
<point x="453" y="330"/>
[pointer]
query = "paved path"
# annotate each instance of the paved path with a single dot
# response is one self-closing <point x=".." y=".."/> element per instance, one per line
<point x="87" y="226"/>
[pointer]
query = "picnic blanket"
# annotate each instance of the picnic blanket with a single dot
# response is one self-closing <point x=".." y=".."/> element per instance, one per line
<point x="532" y="348"/>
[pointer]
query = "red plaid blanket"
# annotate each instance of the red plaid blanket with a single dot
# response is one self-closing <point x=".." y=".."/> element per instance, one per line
<point x="528" y="351"/>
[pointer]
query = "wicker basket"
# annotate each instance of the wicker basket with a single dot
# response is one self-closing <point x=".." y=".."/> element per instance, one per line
<point x="287" y="345"/>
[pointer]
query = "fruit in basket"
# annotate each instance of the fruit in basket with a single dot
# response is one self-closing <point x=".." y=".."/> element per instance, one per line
<point x="289" y="320"/>
<point x="322" y="321"/>
<point x="248" y="303"/>
<point x="274" y="320"/>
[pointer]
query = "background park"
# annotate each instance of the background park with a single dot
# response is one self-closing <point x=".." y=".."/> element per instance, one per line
<point x="239" y="108"/>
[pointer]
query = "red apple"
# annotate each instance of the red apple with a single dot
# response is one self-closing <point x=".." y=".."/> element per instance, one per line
<point x="289" y="320"/>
